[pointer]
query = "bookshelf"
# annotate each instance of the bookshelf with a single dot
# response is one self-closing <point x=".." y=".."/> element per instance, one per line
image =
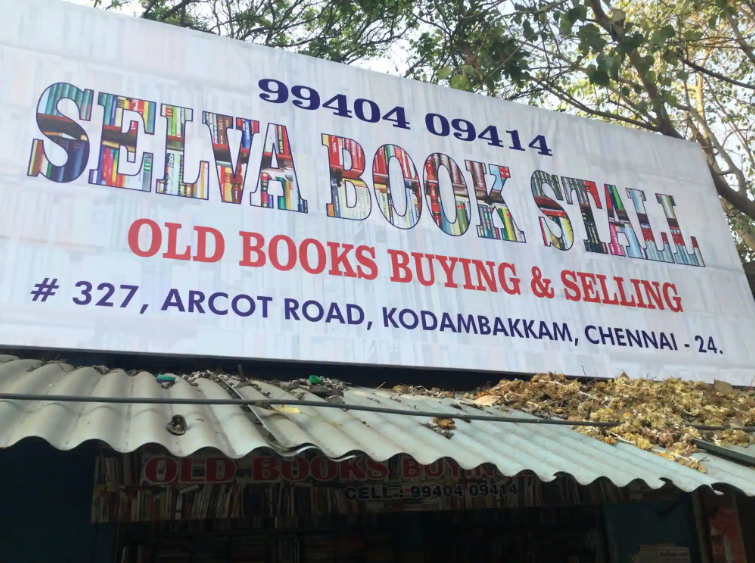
<point x="121" y="495"/>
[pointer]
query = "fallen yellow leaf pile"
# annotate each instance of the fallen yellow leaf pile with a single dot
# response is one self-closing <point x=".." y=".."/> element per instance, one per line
<point x="651" y="413"/>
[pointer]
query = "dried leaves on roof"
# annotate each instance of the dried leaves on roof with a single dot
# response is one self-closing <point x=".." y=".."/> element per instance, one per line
<point x="660" y="416"/>
<point x="649" y="413"/>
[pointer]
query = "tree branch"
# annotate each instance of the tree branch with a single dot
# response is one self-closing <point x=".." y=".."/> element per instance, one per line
<point x="715" y="74"/>
<point x="174" y="10"/>
<point x="149" y="8"/>
<point x="598" y="113"/>
<point x="737" y="199"/>
<point x="740" y="39"/>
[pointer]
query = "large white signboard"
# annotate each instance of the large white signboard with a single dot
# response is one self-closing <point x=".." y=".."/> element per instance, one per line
<point x="165" y="191"/>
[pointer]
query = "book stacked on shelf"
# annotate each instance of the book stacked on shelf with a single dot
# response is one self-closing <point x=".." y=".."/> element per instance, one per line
<point x="125" y="491"/>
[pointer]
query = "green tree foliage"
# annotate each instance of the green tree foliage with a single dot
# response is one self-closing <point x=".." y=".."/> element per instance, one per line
<point x="339" y="30"/>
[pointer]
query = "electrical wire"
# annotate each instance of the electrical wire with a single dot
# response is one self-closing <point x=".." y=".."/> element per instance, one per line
<point x="326" y="405"/>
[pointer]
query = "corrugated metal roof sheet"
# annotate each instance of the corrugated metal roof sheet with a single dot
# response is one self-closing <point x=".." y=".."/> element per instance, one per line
<point x="544" y="449"/>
